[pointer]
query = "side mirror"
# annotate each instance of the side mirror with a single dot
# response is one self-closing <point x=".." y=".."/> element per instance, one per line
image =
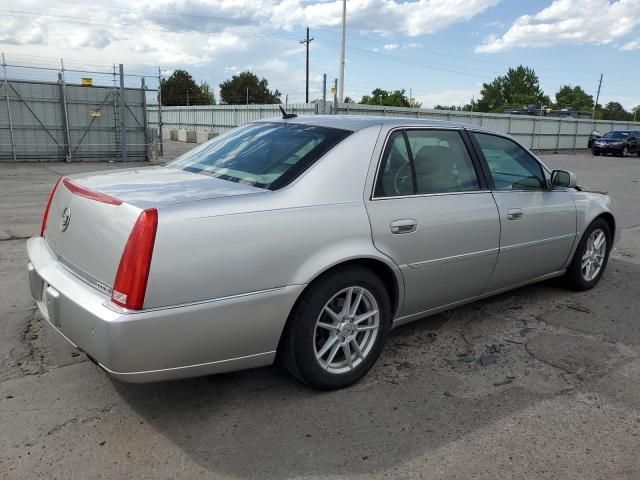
<point x="562" y="178"/>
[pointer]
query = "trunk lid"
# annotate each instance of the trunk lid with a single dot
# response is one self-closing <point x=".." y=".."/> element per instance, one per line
<point x="88" y="232"/>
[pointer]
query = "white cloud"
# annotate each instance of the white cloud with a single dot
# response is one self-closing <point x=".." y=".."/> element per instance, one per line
<point x="390" y="46"/>
<point x="414" y="18"/>
<point x="17" y="31"/>
<point x="632" y="45"/>
<point x="596" y="22"/>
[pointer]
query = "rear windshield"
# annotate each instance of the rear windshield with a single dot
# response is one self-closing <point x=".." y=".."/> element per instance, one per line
<point x="619" y="135"/>
<point x="265" y="155"/>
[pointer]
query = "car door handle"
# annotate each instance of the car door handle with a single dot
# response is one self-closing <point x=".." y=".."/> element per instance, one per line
<point x="515" y="214"/>
<point x="405" y="225"/>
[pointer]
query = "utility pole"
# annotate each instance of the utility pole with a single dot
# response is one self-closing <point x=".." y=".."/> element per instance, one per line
<point x="187" y="97"/>
<point x="342" y="46"/>
<point x="247" y="95"/>
<point x="335" y="96"/>
<point x="593" y="114"/>
<point x="306" y="43"/>
<point x="324" y="93"/>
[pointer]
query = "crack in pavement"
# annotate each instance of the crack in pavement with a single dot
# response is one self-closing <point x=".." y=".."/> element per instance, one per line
<point x="14" y="237"/>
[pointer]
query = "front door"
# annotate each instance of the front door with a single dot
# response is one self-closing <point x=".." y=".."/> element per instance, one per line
<point x="433" y="215"/>
<point x="538" y="223"/>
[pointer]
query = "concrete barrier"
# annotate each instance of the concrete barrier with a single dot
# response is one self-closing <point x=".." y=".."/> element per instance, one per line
<point x="166" y="134"/>
<point x="192" y="136"/>
<point x="173" y="135"/>
<point x="182" y="135"/>
<point x="211" y="135"/>
<point x="201" y="137"/>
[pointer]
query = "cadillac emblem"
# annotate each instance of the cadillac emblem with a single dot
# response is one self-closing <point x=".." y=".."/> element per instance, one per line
<point x="65" y="219"/>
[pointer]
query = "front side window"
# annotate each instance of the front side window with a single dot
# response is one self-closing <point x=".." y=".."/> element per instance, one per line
<point x="442" y="163"/>
<point x="511" y="166"/>
<point x="265" y="155"/>
<point x="425" y="162"/>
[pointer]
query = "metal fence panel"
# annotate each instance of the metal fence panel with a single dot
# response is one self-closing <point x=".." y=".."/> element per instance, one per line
<point x="42" y="111"/>
<point x="545" y="133"/>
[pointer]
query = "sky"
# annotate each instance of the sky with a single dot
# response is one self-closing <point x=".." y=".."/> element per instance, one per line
<point x="440" y="50"/>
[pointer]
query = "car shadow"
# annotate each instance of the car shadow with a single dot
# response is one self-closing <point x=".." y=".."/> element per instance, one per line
<point x="263" y="424"/>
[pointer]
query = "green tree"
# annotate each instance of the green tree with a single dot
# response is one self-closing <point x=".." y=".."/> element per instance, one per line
<point x="615" y="111"/>
<point x="635" y="113"/>
<point x="519" y="88"/>
<point x="207" y="93"/>
<point x="246" y="87"/>
<point x="575" y="97"/>
<point x="181" y="89"/>
<point x="388" y="98"/>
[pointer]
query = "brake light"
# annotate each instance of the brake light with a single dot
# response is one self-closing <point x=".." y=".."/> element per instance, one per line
<point x="73" y="187"/>
<point x="130" y="285"/>
<point x="46" y="210"/>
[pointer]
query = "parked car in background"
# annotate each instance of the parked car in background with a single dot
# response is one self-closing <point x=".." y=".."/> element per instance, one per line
<point x="618" y="142"/>
<point x="594" y="135"/>
<point x="304" y="240"/>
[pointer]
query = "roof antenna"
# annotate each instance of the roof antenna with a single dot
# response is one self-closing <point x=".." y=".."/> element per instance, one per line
<point x="286" y="115"/>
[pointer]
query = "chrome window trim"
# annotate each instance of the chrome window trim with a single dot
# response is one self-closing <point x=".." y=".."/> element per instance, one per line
<point x="391" y="131"/>
<point x="419" y="195"/>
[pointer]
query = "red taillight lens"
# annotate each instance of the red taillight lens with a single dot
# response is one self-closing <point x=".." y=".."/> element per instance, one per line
<point x="85" y="192"/>
<point x="130" y="285"/>
<point x="46" y="210"/>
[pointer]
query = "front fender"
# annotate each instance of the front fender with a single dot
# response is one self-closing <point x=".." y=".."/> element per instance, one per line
<point x="589" y="206"/>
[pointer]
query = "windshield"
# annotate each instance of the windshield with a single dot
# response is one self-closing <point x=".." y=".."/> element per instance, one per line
<point x="265" y="155"/>
<point x="618" y="135"/>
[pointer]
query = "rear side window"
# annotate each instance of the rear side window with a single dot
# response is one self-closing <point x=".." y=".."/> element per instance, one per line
<point x="265" y="155"/>
<point x="511" y="166"/>
<point x="425" y="162"/>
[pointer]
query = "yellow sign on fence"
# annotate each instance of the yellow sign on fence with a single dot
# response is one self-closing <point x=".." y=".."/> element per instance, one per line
<point x="95" y="112"/>
<point x="86" y="82"/>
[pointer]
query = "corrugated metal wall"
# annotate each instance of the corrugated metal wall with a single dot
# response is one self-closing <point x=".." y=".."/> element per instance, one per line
<point x="545" y="133"/>
<point x="34" y="115"/>
<point x="219" y="118"/>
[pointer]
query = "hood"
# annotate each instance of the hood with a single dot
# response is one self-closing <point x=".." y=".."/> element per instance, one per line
<point x="161" y="186"/>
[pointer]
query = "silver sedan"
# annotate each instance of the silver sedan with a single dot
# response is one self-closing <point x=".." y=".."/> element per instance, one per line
<point x="304" y="240"/>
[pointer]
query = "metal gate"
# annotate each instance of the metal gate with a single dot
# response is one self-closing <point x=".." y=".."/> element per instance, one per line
<point x="58" y="121"/>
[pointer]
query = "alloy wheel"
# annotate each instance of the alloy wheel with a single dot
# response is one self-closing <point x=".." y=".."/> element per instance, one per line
<point x="594" y="254"/>
<point x="346" y="330"/>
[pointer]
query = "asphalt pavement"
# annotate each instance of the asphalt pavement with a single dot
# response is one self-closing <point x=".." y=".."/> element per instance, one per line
<point x="538" y="382"/>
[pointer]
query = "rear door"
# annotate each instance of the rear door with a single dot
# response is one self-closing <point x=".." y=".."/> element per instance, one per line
<point x="432" y="213"/>
<point x="538" y="223"/>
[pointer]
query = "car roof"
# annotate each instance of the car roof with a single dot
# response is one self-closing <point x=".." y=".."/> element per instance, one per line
<point x="358" y="122"/>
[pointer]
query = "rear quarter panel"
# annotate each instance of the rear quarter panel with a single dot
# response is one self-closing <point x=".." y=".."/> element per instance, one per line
<point x="231" y="246"/>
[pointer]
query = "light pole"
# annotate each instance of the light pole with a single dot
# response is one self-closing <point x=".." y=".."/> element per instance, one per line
<point x="342" y="46"/>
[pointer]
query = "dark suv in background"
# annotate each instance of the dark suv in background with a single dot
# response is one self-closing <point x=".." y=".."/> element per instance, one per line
<point x="619" y="142"/>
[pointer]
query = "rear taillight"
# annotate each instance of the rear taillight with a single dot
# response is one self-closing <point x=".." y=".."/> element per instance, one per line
<point x="46" y="210"/>
<point x="130" y="285"/>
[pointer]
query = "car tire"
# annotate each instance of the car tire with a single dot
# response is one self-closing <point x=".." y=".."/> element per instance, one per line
<point x="304" y="339"/>
<point x="624" y="152"/>
<point x="578" y="276"/>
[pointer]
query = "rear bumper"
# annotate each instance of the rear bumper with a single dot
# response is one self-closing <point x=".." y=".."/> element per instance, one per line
<point x="231" y="333"/>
